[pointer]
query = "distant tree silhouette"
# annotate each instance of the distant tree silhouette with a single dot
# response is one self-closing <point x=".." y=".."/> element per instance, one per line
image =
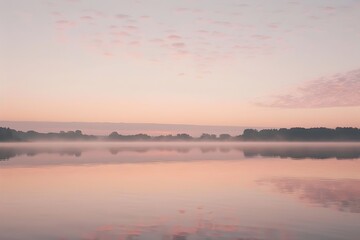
<point x="184" y="137"/>
<point x="114" y="135"/>
<point x="224" y="137"/>
<point x="138" y="137"/>
<point x="301" y="134"/>
<point x="282" y="134"/>
<point x="208" y="137"/>
<point x="7" y="134"/>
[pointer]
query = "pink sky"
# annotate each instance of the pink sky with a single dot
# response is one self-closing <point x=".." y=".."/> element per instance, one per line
<point x="258" y="63"/>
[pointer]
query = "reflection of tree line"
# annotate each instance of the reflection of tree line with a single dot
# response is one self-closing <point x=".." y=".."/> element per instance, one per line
<point x="342" y="151"/>
<point x="7" y="153"/>
<point x="294" y="152"/>
<point x="342" y="195"/>
<point x="282" y="134"/>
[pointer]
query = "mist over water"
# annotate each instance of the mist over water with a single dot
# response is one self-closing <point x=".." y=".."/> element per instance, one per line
<point x="179" y="191"/>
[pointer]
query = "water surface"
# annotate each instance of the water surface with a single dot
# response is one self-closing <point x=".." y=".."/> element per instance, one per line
<point x="178" y="191"/>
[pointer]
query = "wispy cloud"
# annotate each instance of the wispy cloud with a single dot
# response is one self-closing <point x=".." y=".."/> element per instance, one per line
<point x="261" y="37"/>
<point x="339" y="90"/>
<point x="178" y="45"/>
<point x="122" y="16"/>
<point x="174" y="37"/>
<point x="86" y="17"/>
<point x="206" y="36"/>
<point x="65" y="24"/>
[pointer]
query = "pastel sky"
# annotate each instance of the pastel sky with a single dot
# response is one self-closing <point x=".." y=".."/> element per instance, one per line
<point x="269" y="63"/>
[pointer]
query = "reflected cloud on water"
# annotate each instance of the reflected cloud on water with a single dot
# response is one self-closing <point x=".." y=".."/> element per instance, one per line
<point x="338" y="194"/>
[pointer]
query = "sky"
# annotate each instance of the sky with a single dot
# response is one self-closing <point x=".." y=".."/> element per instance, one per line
<point x="268" y="63"/>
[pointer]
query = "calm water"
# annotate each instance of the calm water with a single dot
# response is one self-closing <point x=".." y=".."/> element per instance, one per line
<point x="179" y="191"/>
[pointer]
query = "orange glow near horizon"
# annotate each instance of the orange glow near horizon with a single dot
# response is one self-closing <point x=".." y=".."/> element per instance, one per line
<point x="218" y="114"/>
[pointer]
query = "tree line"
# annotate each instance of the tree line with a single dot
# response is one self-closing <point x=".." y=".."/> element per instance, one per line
<point x="11" y="135"/>
<point x="282" y="134"/>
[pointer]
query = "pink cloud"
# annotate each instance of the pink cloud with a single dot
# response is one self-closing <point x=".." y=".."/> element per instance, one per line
<point x="117" y="42"/>
<point x="134" y="43"/>
<point x="339" y="90"/>
<point x="96" y="13"/>
<point x="121" y="34"/>
<point x="329" y="9"/>
<point x="105" y="228"/>
<point x="218" y="34"/>
<point x="55" y="13"/>
<point x="86" y="18"/>
<point x="182" y="9"/>
<point x="63" y="24"/>
<point x="122" y="16"/>
<point x="314" y="17"/>
<point x="222" y="23"/>
<point x="273" y="25"/>
<point x="174" y="37"/>
<point x="156" y="40"/>
<point x="130" y="27"/>
<point x="108" y="54"/>
<point x="183" y="52"/>
<point x="179" y="45"/>
<point x="203" y="31"/>
<point x="261" y="37"/>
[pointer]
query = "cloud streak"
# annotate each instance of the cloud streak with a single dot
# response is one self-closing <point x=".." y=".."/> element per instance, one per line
<point x="339" y="90"/>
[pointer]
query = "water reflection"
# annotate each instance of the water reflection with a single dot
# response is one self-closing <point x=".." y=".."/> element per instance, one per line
<point x="7" y="153"/>
<point x="314" y="151"/>
<point x="234" y="151"/>
<point x="60" y="194"/>
<point x="338" y="194"/>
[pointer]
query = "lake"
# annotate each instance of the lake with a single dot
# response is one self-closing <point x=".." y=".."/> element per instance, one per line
<point x="179" y="191"/>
